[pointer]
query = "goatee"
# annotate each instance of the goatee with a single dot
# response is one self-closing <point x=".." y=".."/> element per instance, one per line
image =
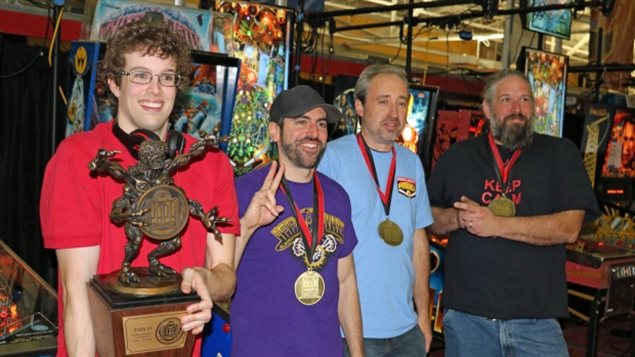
<point x="511" y="135"/>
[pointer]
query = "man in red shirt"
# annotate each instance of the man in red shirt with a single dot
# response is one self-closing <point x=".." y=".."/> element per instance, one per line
<point x="145" y="66"/>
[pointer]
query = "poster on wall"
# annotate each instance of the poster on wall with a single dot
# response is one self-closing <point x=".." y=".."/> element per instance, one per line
<point x="259" y="35"/>
<point x="547" y="73"/>
<point x="193" y="24"/>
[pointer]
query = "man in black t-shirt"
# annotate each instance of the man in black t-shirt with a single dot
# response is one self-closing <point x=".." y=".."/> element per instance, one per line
<point x="510" y="201"/>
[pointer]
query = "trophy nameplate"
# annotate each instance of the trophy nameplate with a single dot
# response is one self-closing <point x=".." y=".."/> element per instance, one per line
<point x="126" y="325"/>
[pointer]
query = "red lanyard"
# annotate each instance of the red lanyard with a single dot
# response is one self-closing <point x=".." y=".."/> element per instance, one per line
<point x="385" y="195"/>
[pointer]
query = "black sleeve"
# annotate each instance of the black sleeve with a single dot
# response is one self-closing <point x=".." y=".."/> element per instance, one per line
<point x="572" y="188"/>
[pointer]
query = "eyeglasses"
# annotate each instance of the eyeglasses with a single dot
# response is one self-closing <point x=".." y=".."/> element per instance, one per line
<point x="143" y="77"/>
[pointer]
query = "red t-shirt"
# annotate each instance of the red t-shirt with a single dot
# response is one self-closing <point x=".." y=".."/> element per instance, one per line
<point x="75" y="205"/>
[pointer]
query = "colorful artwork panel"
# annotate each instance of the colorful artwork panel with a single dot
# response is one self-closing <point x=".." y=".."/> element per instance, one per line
<point x="259" y="36"/>
<point x="193" y="24"/>
<point x="620" y="154"/>
<point x="547" y="73"/>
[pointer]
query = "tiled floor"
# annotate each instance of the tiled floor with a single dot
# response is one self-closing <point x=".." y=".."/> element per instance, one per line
<point x="612" y="341"/>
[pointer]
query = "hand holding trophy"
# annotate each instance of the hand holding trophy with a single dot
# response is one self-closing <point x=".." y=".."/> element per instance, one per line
<point x="151" y="207"/>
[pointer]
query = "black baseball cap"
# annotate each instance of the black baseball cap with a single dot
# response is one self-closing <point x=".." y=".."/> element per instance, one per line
<point x="298" y="100"/>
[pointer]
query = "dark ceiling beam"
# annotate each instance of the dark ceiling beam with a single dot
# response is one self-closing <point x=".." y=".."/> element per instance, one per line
<point x="614" y="67"/>
<point x="335" y="29"/>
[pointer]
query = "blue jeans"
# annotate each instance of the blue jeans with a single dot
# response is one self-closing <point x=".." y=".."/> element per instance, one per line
<point x="474" y="336"/>
<point x="410" y="344"/>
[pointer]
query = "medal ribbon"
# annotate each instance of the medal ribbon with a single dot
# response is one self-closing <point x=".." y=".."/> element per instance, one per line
<point x="499" y="167"/>
<point x="386" y="196"/>
<point x="318" y="213"/>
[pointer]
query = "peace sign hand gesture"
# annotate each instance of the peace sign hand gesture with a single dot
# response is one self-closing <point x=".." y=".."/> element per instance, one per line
<point x="263" y="209"/>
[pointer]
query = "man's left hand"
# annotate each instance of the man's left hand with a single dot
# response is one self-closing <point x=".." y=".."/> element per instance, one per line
<point x="478" y="220"/>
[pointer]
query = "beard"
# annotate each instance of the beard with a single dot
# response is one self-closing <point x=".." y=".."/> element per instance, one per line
<point x="299" y="158"/>
<point x="511" y="135"/>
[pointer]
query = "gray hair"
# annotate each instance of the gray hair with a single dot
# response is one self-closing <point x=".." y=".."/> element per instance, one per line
<point x="490" y="87"/>
<point x="363" y="82"/>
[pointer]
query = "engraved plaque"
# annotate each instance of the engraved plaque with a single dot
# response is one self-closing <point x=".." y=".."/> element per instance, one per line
<point x="139" y="326"/>
<point x="153" y="332"/>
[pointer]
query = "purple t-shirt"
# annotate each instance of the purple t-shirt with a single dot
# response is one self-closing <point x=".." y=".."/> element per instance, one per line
<point x="266" y="317"/>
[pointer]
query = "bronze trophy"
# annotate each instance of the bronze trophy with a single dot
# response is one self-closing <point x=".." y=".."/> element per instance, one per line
<point x="136" y="311"/>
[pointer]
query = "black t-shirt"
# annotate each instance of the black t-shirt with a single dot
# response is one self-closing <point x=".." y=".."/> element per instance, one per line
<point x="496" y="277"/>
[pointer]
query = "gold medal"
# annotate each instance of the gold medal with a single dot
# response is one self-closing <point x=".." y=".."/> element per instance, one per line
<point x="502" y="206"/>
<point x="309" y="287"/>
<point x="390" y="232"/>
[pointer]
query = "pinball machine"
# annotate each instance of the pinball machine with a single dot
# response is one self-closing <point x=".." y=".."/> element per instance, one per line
<point x="28" y="309"/>
<point x="601" y="265"/>
<point x="601" y="280"/>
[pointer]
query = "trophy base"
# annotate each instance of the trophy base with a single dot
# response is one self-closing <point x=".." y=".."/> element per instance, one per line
<point x="148" y="285"/>
<point x="133" y="324"/>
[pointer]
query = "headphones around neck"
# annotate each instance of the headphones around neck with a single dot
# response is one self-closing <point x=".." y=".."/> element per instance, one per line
<point x="132" y="140"/>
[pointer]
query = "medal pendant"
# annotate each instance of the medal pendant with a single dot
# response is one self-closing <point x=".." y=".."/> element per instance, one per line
<point x="502" y="206"/>
<point x="390" y="232"/>
<point x="309" y="287"/>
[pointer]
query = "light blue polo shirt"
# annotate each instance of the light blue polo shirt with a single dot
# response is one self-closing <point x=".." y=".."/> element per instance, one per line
<point x="385" y="274"/>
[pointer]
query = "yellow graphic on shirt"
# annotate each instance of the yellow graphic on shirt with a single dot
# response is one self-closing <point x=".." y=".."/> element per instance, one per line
<point x="290" y="236"/>
<point x="407" y="187"/>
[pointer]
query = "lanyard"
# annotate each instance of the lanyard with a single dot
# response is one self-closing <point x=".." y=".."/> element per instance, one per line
<point x="502" y="171"/>
<point x="314" y="237"/>
<point x="385" y="195"/>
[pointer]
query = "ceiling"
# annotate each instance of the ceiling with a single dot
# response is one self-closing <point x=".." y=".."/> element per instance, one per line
<point x="432" y="45"/>
<point x="437" y="46"/>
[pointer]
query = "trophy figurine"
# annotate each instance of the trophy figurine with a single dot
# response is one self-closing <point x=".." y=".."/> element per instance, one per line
<point x="131" y="301"/>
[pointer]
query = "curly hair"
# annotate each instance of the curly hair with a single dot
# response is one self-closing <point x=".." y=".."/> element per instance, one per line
<point x="154" y="38"/>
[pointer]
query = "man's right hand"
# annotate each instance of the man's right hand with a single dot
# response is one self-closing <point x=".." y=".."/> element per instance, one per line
<point x="263" y="209"/>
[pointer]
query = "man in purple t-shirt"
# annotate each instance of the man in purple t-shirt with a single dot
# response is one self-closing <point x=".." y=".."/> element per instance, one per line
<point x="296" y="278"/>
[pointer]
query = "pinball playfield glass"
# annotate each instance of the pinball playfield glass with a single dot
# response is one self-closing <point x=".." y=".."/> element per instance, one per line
<point x="28" y="309"/>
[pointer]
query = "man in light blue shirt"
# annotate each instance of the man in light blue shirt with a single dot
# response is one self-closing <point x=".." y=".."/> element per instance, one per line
<point x="390" y="210"/>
